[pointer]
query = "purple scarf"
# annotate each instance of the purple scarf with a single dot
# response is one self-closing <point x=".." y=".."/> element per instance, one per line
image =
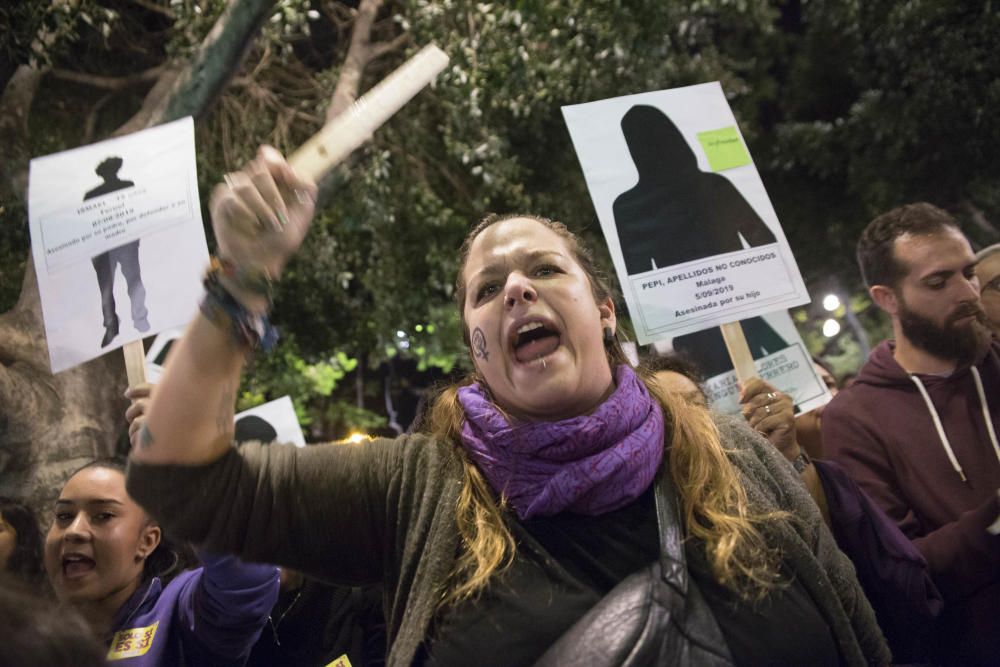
<point x="589" y="464"/>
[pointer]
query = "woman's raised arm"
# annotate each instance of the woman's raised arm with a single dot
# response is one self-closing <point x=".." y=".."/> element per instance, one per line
<point x="260" y="216"/>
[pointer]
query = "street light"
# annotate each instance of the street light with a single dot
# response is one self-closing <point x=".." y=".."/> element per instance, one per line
<point x="831" y="328"/>
<point x="831" y="302"/>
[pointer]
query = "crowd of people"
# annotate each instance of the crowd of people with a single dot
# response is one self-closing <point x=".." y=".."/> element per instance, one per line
<point x="557" y="506"/>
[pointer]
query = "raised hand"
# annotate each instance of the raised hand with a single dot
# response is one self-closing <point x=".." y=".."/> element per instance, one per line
<point x="260" y="215"/>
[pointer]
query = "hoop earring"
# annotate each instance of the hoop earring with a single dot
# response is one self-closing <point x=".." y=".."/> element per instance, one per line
<point x="609" y="336"/>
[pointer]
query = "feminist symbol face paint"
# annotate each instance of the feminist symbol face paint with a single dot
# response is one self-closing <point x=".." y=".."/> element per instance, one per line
<point x="479" y="345"/>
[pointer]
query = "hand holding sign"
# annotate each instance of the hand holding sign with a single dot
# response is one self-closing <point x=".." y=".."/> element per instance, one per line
<point x="770" y="413"/>
<point x="140" y="396"/>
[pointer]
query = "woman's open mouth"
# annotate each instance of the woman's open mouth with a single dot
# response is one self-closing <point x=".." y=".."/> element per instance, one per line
<point x="76" y="565"/>
<point x="534" y="341"/>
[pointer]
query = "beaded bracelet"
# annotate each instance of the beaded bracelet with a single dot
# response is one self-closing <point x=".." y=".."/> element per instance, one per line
<point x="250" y="330"/>
<point x="257" y="282"/>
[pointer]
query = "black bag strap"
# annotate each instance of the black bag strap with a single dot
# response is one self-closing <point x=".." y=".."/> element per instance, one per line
<point x="673" y="563"/>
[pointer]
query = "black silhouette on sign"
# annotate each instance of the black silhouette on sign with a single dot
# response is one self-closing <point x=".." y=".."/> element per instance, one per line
<point x="126" y="256"/>
<point x="707" y="348"/>
<point x="252" y="427"/>
<point x="161" y="357"/>
<point x="677" y="213"/>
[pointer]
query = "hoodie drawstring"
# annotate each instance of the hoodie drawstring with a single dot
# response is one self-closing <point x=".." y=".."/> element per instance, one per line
<point x="986" y="411"/>
<point x="940" y="428"/>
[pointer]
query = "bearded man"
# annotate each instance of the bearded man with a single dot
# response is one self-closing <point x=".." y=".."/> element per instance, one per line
<point x="918" y="429"/>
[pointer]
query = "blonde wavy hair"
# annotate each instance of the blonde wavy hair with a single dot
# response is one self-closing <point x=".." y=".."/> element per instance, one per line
<point x="714" y="504"/>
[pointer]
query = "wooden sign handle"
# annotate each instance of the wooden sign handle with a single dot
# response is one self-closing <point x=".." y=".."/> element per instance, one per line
<point x="347" y="131"/>
<point x="336" y="140"/>
<point x="739" y="351"/>
<point x="135" y="362"/>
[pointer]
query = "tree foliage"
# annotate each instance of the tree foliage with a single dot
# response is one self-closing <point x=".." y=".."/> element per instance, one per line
<point x="849" y="108"/>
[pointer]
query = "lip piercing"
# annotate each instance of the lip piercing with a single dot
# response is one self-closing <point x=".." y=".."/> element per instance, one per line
<point x="542" y="359"/>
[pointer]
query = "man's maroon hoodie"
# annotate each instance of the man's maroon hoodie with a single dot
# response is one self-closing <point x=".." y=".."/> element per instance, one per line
<point x="893" y="433"/>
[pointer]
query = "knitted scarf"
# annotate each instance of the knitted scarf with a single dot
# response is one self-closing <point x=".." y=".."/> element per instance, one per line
<point x="590" y="464"/>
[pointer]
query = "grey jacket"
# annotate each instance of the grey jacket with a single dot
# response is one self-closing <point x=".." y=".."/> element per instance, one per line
<point x="385" y="511"/>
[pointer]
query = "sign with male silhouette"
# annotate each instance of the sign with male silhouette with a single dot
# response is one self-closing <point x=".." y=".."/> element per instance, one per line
<point x="694" y="238"/>
<point x="127" y="204"/>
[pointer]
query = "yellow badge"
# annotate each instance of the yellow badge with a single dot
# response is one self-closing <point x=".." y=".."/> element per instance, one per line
<point x="342" y="661"/>
<point x="132" y="642"/>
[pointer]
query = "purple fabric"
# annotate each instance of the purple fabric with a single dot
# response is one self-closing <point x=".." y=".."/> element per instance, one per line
<point x="211" y="615"/>
<point x="589" y="464"/>
<point x="893" y="574"/>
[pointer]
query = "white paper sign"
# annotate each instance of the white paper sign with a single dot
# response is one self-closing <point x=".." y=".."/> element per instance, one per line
<point x="156" y="355"/>
<point x="275" y="421"/>
<point x="779" y="354"/>
<point x="694" y="238"/>
<point x="117" y="240"/>
<point x="271" y="422"/>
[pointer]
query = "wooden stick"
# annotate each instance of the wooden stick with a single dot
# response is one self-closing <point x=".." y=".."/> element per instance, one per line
<point x="135" y="362"/>
<point x="347" y="131"/>
<point x="336" y="140"/>
<point x="739" y="351"/>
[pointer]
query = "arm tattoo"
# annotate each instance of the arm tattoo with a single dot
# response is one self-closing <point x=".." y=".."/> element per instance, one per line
<point x="479" y="344"/>
<point x="145" y="437"/>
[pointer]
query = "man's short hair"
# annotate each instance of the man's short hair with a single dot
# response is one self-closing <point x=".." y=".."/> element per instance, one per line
<point x="876" y="258"/>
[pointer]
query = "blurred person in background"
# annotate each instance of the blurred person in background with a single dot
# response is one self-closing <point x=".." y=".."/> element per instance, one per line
<point x="988" y="271"/>
<point x="20" y="542"/>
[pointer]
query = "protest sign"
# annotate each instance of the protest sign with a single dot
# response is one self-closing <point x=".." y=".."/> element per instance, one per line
<point x="275" y="421"/>
<point x="128" y="204"/>
<point x="780" y="356"/>
<point x="693" y="236"/>
<point x="156" y="356"/>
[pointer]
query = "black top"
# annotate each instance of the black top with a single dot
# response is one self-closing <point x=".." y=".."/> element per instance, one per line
<point x="567" y="563"/>
<point x="317" y="623"/>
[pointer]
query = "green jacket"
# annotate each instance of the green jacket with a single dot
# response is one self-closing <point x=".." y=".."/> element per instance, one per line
<point x="385" y="511"/>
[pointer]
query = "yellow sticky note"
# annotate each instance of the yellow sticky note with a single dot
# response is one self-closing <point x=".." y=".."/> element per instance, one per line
<point x="342" y="661"/>
<point x="724" y="148"/>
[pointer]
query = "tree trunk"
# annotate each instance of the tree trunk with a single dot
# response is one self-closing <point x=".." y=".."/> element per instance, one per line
<point x="979" y="218"/>
<point x="50" y="424"/>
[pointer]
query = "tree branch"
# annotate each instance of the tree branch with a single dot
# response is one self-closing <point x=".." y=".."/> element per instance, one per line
<point x="189" y="89"/>
<point x="91" y="122"/>
<point x="112" y="83"/>
<point x="381" y="49"/>
<point x="153" y="7"/>
<point x="15" y="105"/>
<point x="359" y="54"/>
<point x="217" y="59"/>
<point x="979" y="218"/>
